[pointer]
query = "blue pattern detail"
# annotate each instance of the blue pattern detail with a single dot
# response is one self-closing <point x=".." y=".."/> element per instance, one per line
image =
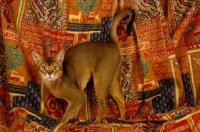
<point x="166" y="101"/>
<point x="104" y="36"/>
<point x="45" y="121"/>
<point x="31" y="102"/>
<point x="32" y="99"/>
<point x="188" y="89"/>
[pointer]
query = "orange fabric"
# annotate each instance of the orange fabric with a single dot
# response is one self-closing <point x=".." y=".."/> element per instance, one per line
<point x="160" y="68"/>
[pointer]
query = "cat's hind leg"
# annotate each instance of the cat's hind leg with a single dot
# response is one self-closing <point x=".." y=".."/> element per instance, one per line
<point x="101" y="86"/>
<point x="116" y="93"/>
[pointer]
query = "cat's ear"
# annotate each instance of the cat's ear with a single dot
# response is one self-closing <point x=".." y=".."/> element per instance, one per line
<point x="60" y="56"/>
<point x="36" y="57"/>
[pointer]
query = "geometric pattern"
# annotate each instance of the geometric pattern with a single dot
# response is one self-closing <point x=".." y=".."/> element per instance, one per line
<point x="148" y="94"/>
<point x="31" y="101"/>
<point x="45" y="121"/>
<point x="160" y="63"/>
<point x="188" y="89"/>
<point x="144" y="66"/>
<point x="166" y="101"/>
<point x="14" y="57"/>
<point x="86" y="5"/>
<point x="104" y="35"/>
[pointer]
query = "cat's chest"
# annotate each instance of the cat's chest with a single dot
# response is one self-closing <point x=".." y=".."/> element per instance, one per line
<point x="54" y="88"/>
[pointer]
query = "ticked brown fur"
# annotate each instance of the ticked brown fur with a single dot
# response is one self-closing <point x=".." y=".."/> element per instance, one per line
<point x="67" y="74"/>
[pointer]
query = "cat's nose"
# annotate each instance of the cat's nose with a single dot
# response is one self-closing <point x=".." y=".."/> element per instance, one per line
<point x="49" y="73"/>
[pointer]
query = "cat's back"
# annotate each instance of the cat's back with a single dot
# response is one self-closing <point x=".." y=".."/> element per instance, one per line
<point x="82" y="60"/>
<point x="90" y="52"/>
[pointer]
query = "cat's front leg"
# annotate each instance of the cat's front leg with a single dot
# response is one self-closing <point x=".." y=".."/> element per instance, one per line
<point x="72" y="109"/>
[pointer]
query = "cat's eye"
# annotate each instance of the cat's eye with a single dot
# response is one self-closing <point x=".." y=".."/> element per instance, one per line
<point x="55" y="68"/>
<point x="43" y="68"/>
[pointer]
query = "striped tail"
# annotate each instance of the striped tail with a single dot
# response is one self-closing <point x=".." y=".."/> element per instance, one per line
<point x="116" y="21"/>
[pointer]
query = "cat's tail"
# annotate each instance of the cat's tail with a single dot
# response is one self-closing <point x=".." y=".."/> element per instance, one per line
<point x="116" y="21"/>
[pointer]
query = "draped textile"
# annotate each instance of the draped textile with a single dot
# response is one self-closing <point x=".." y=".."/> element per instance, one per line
<point x="160" y="72"/>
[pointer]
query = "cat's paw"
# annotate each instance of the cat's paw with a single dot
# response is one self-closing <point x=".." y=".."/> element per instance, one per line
<point x="97" y="121"/>
<point x="122" y="118"/>
<point x="57" y="127"/>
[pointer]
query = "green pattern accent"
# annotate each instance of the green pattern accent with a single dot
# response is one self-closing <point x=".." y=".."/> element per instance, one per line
<point x="13" y="56"/>
<point x="145" y="69"/>
<point x="86" y="5"/>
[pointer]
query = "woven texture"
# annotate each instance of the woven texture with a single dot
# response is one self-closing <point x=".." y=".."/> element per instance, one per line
<point x="160" y="73"/>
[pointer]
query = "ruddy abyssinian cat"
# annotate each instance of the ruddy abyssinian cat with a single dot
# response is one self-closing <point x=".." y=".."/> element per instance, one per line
<point x="67" y="74"/>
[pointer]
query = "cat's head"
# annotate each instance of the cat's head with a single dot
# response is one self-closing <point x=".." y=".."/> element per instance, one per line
<point x="49" y="69"/>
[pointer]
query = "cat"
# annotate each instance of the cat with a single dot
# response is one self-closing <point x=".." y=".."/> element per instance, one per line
<point x="67" y="74"/>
